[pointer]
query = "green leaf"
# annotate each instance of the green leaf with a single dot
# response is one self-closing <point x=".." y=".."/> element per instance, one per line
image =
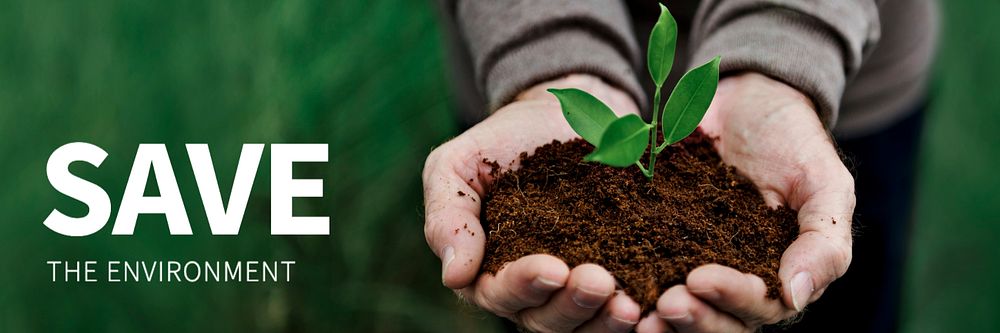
<point x="586" y="114"/>
<point x="689" y="101"/>
<point x="662" y="42"/>
<point x="623" y="143"/>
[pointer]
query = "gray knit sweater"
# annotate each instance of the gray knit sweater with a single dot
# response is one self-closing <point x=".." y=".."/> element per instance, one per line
<point x="863" y="62"/>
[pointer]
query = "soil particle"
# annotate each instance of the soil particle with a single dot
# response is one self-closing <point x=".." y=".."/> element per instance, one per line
<point x="649" y="235"/>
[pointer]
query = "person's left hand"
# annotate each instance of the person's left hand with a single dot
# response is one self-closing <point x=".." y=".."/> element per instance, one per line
<point x="771" y="133"/>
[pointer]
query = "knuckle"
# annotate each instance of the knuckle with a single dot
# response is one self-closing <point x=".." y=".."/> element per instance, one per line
<point x="567" y="317"/>
<point x="432" y="233"/>
<point x="435" y="223"/>
<point x="836" y="254"/>
<point x="488" y="300"/>
<point x="841" y="257"/>
<point x="430" y="164"/>
<point x="529" y="321"/>
<point x="845" y="177"/>
<point x="536" y="323"/>
<point x="832" y="254"/>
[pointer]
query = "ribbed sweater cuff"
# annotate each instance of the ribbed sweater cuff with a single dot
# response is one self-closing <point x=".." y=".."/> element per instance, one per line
<point x="519" y="43"/>
<point x="556" y="55"/>
<point x="785" y="45"/>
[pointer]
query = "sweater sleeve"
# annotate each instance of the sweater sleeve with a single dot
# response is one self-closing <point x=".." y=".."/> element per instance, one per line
<point x="515" y="44"/>
<point x="815" y="46"/>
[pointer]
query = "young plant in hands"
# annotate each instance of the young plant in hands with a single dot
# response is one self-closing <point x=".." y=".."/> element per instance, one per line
<point x="621" y="141"/>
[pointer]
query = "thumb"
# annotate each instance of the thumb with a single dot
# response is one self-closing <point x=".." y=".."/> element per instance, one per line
<point x="452" y="197"/>
<point x="822" y="251"/>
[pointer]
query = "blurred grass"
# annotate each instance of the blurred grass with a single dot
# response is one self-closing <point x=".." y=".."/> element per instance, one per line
<point x="367" y="77"/>
<point x="955" y="259"/>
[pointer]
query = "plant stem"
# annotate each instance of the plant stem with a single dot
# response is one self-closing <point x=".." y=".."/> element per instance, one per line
<point x="644" y="172"/>
<point x="661" y="147"/>
<point x="652" y="138"/>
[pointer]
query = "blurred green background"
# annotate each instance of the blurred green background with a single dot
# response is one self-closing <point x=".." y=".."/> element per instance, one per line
<point x="367" y="77"/>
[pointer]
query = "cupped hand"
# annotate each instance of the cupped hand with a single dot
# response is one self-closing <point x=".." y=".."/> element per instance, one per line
<point x="772" y="134"/>
<point x="539" y="292"/>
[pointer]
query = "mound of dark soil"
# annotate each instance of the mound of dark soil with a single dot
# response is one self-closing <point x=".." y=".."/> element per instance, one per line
<point x="649" y="235"/>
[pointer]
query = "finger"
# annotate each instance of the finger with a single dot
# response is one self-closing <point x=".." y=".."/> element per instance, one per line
<point x="452" y="194"/>
<point x="525" y="283"/>
<point x="686" y="313"/>
<point x="619" y="315"/>
<point x="822" y="251"/>
<point x="809" y="265"/>
<point x="739" y="294"/>
<point x="653" y="324"/>
<point x="588" y="288"/>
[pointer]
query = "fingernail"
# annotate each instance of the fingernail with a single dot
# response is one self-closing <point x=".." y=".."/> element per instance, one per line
<point x="544" y="285"/>
<point x="618" y="324"/>
<point x="680" y="319"/>
<point x="447" y="255"/>
<point x="588" y="299"/>
<point x="707" y="294"/>
<point x="802" y="289"/>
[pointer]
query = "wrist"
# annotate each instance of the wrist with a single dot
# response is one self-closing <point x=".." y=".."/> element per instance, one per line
<point x="778" y="89"/>
<point x="618" y="100"/>
<point x="745" y="99"/>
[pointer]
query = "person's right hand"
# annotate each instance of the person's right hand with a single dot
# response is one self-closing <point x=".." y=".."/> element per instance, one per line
<point x="538" y="292"/>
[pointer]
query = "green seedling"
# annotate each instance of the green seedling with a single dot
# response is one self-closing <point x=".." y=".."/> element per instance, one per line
<point x="621" y="141"/>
